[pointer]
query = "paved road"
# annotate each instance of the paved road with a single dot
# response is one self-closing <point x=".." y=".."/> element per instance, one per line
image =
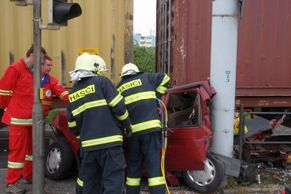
<point x="3" y="154"/>
<point x="57" y="187"/>
<point x="67" y="186"/>
<point x="51" y="187"/>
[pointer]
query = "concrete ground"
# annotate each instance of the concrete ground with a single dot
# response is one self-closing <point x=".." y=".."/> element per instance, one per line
<point x="51" y="187"/>
<point x="272" y="181"/>
<point x="67" y="187"/>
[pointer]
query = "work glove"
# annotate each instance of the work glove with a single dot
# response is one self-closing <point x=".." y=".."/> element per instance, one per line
<point x="128" y="131"/>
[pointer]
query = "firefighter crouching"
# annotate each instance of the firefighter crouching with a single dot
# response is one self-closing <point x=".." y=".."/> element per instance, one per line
<point x="16" y="97"/>
<point x="96" y="112"/>
<point x="141" y="91"/>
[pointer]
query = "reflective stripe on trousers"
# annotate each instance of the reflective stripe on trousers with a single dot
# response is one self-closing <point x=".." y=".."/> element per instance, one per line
<point x="20" y="146"/>
<point x="144" y="148"/>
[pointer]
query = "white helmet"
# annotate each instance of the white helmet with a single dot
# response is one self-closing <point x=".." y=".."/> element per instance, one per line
<point x="129" y="69"/>
<point x="89" y="62"/>
<point x="99" y="63"/>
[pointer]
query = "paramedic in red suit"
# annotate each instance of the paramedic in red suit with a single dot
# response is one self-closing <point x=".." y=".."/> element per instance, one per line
<point x="16" y="97"/>
<point x="50" y="86"/>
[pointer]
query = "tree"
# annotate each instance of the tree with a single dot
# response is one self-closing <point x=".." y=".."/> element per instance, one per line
<point x="144" y="58"/>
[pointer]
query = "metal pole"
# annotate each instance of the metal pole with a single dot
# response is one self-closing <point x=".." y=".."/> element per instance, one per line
<point x="128" y="34"/>
<point x="241" y="131"/>
<point x="11" y="57"/>
<point x="64" y="64"/>
<point x="37" y="111"/>
<point x="223" y="73"/>
<point x="169" y="37"/>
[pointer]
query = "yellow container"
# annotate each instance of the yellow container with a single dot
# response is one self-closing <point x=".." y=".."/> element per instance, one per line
<point x="106" y="26"/>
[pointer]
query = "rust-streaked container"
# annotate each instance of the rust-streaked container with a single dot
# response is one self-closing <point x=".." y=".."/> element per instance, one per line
<point x="105" y="25"/>
<point x="264" y="48"/>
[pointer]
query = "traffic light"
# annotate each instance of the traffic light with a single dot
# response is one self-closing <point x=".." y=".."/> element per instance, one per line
<point x="60" y="11"/>
<point x="22" y="2"/>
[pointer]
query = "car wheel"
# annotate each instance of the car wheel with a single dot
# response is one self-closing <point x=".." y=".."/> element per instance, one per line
<point x="59" y="160"/>
<point x="207" y="180"/>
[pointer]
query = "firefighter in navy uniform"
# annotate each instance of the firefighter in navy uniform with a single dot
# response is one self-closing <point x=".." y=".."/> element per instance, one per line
<point x="98" y="116"/>
<point x="141" y="91"/>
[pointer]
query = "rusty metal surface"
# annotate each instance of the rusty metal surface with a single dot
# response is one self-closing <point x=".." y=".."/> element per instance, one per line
<point x="261" y="101"/>
<point x="264" y="47"/>
<point x="190" y="40"/>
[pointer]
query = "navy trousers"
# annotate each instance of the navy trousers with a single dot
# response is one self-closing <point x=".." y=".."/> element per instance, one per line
<point x="146" y="149"/>
<point x="102" y="171"/>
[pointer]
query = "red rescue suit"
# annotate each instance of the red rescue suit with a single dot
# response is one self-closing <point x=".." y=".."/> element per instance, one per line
<point x="16" y="96"/>
<point x="16" y="91"/>
<point x="50" y="86"/>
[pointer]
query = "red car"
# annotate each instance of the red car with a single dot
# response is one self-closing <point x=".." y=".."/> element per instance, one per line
<point x="189" y="137"/>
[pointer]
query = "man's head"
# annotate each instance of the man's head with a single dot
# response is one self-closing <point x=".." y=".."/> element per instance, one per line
<point x="129" y="69"/>
<point x="29" y="55"/>
<point x="46" y="66"/>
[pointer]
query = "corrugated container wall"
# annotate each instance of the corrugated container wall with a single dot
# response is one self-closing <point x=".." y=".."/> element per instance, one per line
<point x="104" y="24"/>
<point x="264" y="47"/>
<point x="187" y="28"/>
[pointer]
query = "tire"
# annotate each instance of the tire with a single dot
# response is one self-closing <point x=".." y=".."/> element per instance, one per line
<point x="59" y="160"/>
<point x="207" y="180"/>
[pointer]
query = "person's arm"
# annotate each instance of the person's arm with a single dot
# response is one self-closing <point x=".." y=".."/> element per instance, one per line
<point x="161" y="81"/>
<point x="72" y="123"/>
<point x="59" y="90"/>
<point x="7" y="85"/>
<point x="116" y="103"/>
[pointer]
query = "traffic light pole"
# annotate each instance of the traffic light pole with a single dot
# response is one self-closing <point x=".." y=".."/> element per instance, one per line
<point x="59" y="12"/>
<point x="37" y="111"/>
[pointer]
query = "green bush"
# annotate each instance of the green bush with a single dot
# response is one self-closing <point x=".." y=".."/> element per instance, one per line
<point x="144" y="58"/>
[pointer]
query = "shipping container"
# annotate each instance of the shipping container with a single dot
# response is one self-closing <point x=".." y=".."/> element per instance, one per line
<point x="106" y="26"/>
<point x="264" y="47"/>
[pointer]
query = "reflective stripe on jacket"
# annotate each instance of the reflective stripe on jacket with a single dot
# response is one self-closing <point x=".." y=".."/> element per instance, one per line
<point x="16" y="94"/>
<point x="97" y="113"/>
<point x="140" y="92"/>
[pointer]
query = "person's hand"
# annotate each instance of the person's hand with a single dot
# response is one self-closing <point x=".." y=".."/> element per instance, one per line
<point x="128" y="131"/>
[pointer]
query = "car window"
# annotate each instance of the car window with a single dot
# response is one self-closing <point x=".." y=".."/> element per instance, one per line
<point x="184" y="109"/>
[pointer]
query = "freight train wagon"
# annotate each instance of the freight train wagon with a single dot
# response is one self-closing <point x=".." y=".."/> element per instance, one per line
<point x="264" y="48"/>
<point x="263" y="81"/>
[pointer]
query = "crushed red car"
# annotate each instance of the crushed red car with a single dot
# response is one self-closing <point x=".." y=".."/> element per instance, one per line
<point x="189" y="138"/>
